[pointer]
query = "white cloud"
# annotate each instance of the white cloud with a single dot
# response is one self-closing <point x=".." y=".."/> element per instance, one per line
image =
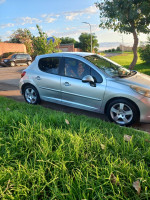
<point x="6" y="35"/>
<point x="32" y="28"/>
<point x="70" y="28"/>
<point x="6" y="25"/>
<point x="49" y="19"/>
<point x="27" y="20"/>
<point x="44" y="15"/>
<point x="91" y="10"/>
<point x="71" y="16"/>
<point x="51" y="32"/>
<point x="2" y="1"/>
<point x="88" y="11"/>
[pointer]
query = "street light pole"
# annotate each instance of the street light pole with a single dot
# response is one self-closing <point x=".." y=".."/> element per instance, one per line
<point x="90" y="33"/>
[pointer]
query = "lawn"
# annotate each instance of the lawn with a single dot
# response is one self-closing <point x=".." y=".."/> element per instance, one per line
<point x="125" y="60"/>
<point x="46" y="154"/>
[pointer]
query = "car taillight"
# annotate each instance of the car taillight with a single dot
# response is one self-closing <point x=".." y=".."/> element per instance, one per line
<point x="23" y="74"/>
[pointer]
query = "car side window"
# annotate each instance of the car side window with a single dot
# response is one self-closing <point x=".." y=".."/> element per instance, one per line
<point x="13" y="56"/>
<point x="18" y="56"/>
<point x="49" y="65"/>
<point x="97" y="77"/>
<point x="75" y="68"/>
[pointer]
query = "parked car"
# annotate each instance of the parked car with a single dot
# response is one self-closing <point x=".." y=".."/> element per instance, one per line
<point x="91" y="82"/>
<point x="17" y="59"/>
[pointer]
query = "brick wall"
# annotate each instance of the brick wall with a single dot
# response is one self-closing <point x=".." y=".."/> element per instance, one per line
<point x="12" y="47"/>
<point x="68" y="48"/>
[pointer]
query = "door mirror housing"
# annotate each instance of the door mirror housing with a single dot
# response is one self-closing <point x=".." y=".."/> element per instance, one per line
<point x="88" y="79"/>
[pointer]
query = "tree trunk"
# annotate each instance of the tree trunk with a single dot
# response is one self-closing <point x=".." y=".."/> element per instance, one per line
<point x="135" y="45"/>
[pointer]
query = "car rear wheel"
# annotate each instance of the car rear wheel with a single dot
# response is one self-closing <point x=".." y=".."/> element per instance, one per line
<point x="29" y="63"/>
<point x="122" y="112"/>
<point x="31" y="95"/>
<point x="12" y="64"/>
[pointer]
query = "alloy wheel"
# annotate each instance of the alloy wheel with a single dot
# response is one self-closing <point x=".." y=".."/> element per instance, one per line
<point x="30" y="95"/>
<point x="121" y="113"/>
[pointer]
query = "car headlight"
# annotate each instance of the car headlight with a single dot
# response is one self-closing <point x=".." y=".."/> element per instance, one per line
<point x="5" y="60"/>
<point x="143" y="91"/>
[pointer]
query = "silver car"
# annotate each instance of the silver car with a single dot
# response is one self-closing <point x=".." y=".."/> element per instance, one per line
<point x="90" y="82"/>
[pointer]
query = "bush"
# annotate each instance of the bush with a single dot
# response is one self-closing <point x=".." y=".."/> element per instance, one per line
<point x="118" y="49"/>
<point x="145" y="53"/>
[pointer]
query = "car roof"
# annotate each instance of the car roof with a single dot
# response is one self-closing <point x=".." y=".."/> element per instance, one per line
<point x="17" y="54"/>
<point x="61" y="54"/>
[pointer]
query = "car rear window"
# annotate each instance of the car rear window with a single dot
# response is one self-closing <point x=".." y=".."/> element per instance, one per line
<point x="49" y="65"/>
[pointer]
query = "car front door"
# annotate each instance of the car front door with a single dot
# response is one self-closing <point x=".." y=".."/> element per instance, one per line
<point x="47" y="79"/>
<point x="77" y="93"/>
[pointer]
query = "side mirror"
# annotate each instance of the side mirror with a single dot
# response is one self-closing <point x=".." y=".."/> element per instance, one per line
<point x="88" y="79"/>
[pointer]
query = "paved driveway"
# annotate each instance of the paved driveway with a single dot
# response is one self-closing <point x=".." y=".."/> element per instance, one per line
<point x="9" y="81"/>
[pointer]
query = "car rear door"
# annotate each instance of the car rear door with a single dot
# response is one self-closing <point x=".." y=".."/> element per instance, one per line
<point x="78" y="94"/>
<point x="47" y="79"/>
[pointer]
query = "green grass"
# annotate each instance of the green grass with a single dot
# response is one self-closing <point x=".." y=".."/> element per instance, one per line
<point x="125" y="60"/>
<point x="42" y="157"/>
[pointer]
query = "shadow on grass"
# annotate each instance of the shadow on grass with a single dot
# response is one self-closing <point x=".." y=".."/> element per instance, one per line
<point x="143" y="68"/>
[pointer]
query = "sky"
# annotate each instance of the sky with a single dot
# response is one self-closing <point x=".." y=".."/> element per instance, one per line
<point x="59" y="18"/>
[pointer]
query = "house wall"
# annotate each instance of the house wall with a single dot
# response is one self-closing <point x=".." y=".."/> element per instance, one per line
<point x="12" y="47"/>
<point x="69" y="48"/>
<point x="125" y="48"/>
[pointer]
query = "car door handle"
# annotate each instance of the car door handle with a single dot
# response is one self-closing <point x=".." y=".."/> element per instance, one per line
<point x="38" y="78"/>
<point x="67" y="84"/>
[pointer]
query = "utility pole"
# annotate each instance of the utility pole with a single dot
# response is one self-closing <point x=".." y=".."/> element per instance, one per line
<point x="90" y="33"/>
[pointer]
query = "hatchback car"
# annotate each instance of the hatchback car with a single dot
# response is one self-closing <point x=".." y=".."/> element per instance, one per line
<point x="90" y="82"/>
<point x="17" y="58"/>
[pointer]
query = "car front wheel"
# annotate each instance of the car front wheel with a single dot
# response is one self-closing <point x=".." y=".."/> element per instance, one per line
<point x="31" y="95"/>
<point x="12" y="64"/>
<point x="29" y="63"/>
<point x="122" y="112"/>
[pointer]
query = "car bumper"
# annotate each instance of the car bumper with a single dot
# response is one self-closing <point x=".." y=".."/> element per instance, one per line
<point x="144" y="106"/>
<point x="3" y="64"/>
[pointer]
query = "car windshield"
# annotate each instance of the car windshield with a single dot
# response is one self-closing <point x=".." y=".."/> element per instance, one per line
<point x="109" y="67"/>
<point x="10" y="56"/>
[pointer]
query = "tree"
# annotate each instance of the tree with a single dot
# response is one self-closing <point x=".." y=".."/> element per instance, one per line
<point x="145" y="52"/>
<point x="85" y="42"/>
<point x="126" y="16"/>
<point x="42" y="46"/>
<point x="23" y="36"/>
<point x="68" y="40"/>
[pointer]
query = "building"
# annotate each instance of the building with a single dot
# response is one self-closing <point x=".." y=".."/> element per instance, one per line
<point x="69" y="48"/>
<point x="12" y="47"/>
<point x="125" y="48"/>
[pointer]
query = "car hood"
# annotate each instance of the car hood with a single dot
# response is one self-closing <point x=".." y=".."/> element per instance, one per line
<point x="138" y="79"/>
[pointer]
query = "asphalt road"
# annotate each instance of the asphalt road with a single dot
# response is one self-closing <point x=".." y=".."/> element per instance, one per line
<point x="9" y="81"/>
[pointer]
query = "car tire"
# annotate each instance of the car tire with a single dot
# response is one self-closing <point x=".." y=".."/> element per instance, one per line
<point x="31" y="95"/>
<point x="122" y="112"/>
<point x="29" y="63"/>
<point x="12" y="64"/>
